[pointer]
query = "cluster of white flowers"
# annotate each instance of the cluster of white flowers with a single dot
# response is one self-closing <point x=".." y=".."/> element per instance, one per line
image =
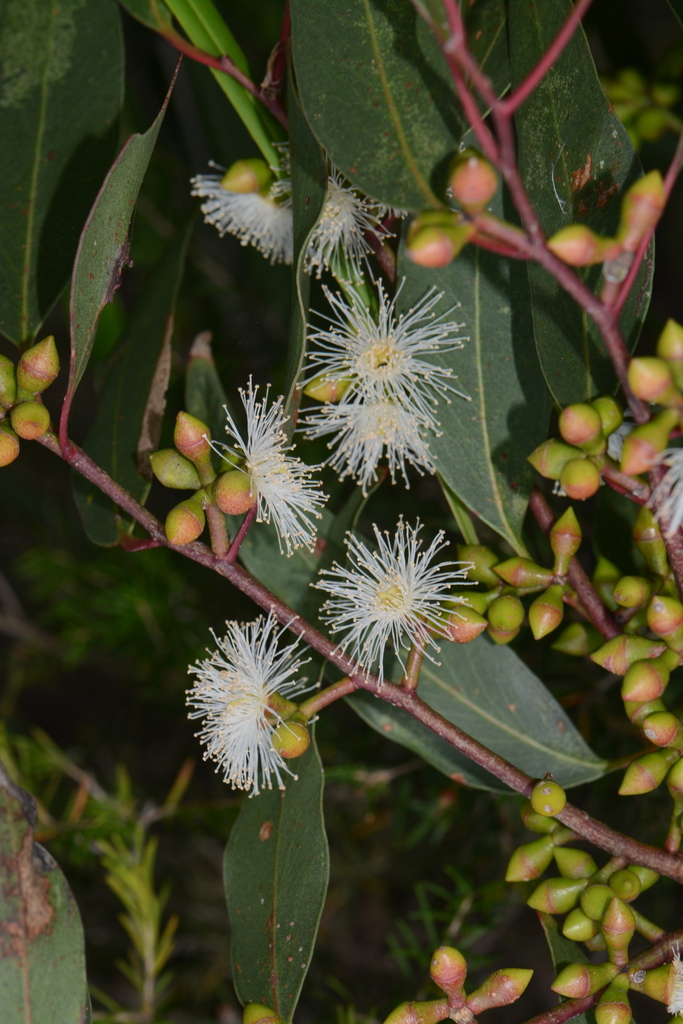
<point x="667" y="499"/>
<point x="388" y="407"/>
<point x="234" y="695"/>
<point x="282" y="484"/>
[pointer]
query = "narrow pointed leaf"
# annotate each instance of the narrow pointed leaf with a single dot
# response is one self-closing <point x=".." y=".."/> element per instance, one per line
<point x="60" y="97"/>
<point x="42" y="955"/>
<point x="204" y="394"/>
<point x="576" y="161"/>
<point x="276" y="872"/>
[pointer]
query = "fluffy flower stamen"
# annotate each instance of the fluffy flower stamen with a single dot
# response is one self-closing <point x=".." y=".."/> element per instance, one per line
<point x="338" y="242"/>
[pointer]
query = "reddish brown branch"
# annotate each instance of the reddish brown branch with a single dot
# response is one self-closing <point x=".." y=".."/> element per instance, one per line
<point x="624" y="484"/>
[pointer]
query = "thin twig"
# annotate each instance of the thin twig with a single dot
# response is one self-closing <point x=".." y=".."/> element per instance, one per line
<point x="234" y="551"/>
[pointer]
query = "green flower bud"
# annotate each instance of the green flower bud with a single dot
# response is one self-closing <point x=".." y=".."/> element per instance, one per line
<point x="472" y="599"/>
<point x="665" y="94"/>
<point x="674" y="780"/>
<point x="625" y="884"/>
<point x="647" y="876"/>
<point x="632" y="591"/>
<point x="665" y="618"/>
<point x="646" y="772"/>
<point x="557" y="895"/>
<point x="648" y="538"/>
<point x="605" y="577"/>
<point x="578" y="927"/>
<point x="530" y="860"/>
<point x="637" y="712"/>
<point x="547" y="611"/>
<point x="536" y="822"/>
<point x="324" y="389"/>
<point x="595" y="900"/>
<point x="291" y="738"/>
<point x="651" y="380"/>
<point x="472" y="180"/>
<point x="523" y="573"/>
<point x="578" y="639"/>
<point x="191" y="437"/>
<point x="578" y="246"/>
<point x="234" y="494"/>
<point x="483" y="560"/>
<point x="597" y="944"/>
<point x="580" y="424"/>
<point x="565" y="540"/>
<point x="657" y="984"/>
<point x="500" y="989"/>
<point x="663" y="729"/>
<point x="574" y="863"/>
<point x="644" y="444"/>
<point x="419" y="1013"/>
<point x="670" y="347"/>
<point x="173" y="470"/>
<point x="641" y="208"/>
<point x="465" y="624"/>
<point x="245" y="176"/>
<point x="610" y="413"/>
<point x="580" y="479"/>
<point x="548" y="798"/>
<point x="614" y="1007"/>
<point x="619" y="654"/>
<point x="8" y="382"/>
<point x="9" y="445"/>
<point x="448" y="969"/>
<point x="38" y="366"/>
<point x="436" y="237"/>
<point x="186" y="521"/>
<point x="618" y="926"/>
<point x="550" y="458"/>
<point x="652" y="123"/>
<point x="30" y="420"/>
<point x="579" y="980"/>
<point x="257" y="1013"/>
<point x="647" y="680"/>
<point x="506" y="613"/>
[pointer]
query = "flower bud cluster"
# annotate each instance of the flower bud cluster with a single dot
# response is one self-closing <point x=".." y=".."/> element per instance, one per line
<point x="644" y="110"/>
<point x="22" y="413"/>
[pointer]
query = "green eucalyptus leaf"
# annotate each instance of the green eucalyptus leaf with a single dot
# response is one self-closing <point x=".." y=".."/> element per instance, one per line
<point x="42" y="954"/>
<point x="152" y="13"/>
<point x="204" y="394"/>
<point x="276" y="871"/>
<point x="576" y="161"/>
<point x="61" y="88"/>
<point x="481" y="453"/>
<point x="103" y="247"/>
<point x="378" y="93"/>
<point x="489" y="693"/>
<point x="132" y="397"/>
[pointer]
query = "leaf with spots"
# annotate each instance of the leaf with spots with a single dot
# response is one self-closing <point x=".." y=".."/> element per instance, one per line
<point x="276" y="871"/>
<point x="42" y="955"/>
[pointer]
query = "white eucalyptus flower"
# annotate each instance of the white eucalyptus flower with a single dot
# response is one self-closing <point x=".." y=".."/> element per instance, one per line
<point x="262" y="220"/>
<point x="338" y="241"/>
<point x="676" y="1001"/>
<point x="392" y="595"/>
<point x="667" y="499"/>
<point x="236" y="694"/>
<point x="615" y="441"/>
<point x="281" y="483"/>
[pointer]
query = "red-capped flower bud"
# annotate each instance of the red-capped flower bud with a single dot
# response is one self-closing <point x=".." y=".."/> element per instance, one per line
<point x="505" y="616"/>
<point x="257" y="1013"/>
<point x="647" y="876"/>
<point x="578" y="246"/>
<point x="482" y="559"/>
<point x="663" y="729"/>
<point x="580" y="424"/>
<point x="644" y="444"/>
<point x="419" y="1013"/>
<point x="530" y="860"/>
<point x="557" y="895"/>
<point x="657" y="984"/>
<point x="579" y="980"/>
<point x="645" y="773"/>
<point x="522" y="572"/>
<point x="448" y="969"/>
<point x="674" y="781"/>
<point x="614" y="1007"/>
<point x="651" y="379"/>
<point x="536" y="822"/>
<point x="625" y="884"/>
<point x="186" y="521"/>
<point x="500" y="989"/>
<point x="641" y="209"/>
<point x="580" y="479"/>
<point x="547" y="797"/>
<point x="173" y="470"/>
<point x="234" y="493"/>
<point x="550" y="458"/>
<point x="637" y="711"/>
<point x="30" y="420"/>
<point x="665" y="618"/>
<point x="565" y="540"/>
<point x="670" y="347"/>
<point x="573" y="863"/>
<point x="465" y="624"/>
<point x="291" y="738"/>
<point x="578" y="927"/>
<point x="472" y="180"/>
<point x="619" y="654"/>
<point x="324" y="388"/>
<point x="647" y="680"/>
<point x="191" y="437"/>
<point x="595" y="900"/>
<point x="9" y="445"/>
<point x="436" y="237"/>
<point x="38" y="366"/>
<point x="648" y="538"/>
<point x="578" y="639"/>
<point x="471" y="599"/>
<point x="632" y="591"/>
<point x="610" y="413"/>
<point x="244" y="176"/>
<point x="8" y="382"/>
<point x="618" y="926"/>
<point x="547" y="611"/>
